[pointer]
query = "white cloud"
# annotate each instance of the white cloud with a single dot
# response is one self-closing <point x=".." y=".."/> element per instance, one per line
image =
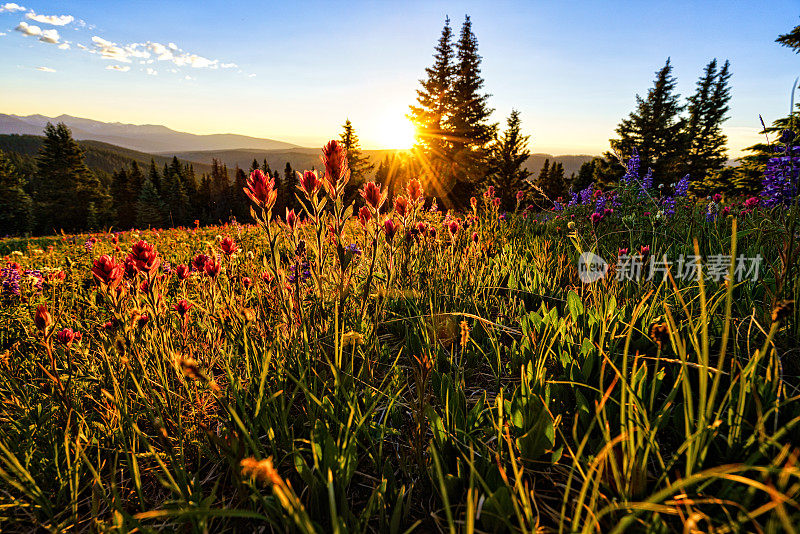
<point x="45" y="69"/>
<point x="12" y="7"/>
<point x="49" y="36"/>
<point x="2" y="34"/>
<point x="228" y="65"/>
<point x="251" y="75"/>
<point x="64" y="46"/>
<point x="46" y="36"/>
<point x="109" y="50"/>
<point x="82" y="47"/>
<point x="152" y="72"/>
<point x="118" y="68"/>
<point x="53" y="20"/>
<point x="187" y="77"/>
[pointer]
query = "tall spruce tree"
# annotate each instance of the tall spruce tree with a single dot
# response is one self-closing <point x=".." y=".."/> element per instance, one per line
<point x="791" y="39"/>
<point x="432" y="113"/>
<point x="149" y="207"/>
<point x="707" y="110"/>
<point x="507" y="170"/>
<point x="471" y="131"/>
<point x="359" y="164"/>
<point x="65" y="188"/>
<point x="655" y="129"/>
<point x="16" y="207"/>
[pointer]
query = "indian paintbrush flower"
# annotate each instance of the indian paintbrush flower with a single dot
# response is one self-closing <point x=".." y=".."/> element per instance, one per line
<point x="42" y="319"/>
<point x="261" y="189"/>
<point x="372" y="195"/>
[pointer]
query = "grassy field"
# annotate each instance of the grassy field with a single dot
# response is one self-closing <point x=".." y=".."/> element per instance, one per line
<point x="440" y="372"/>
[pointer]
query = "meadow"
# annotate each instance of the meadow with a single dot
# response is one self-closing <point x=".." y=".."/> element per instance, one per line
<point x="388" y="367"/>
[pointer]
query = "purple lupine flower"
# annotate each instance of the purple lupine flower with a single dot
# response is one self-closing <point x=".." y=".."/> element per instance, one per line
<point x="780" y="179"/>
<point x="88" y="245"/>
<point x="647" y="181"/>
<point x="586" y="194"/>
<point x="669" y="206"/>
<point x="632" y="171"/>
<point x="37" y="276"/>
<point x="682" y="187"/>
<point x="11" y="279"/>
<point x="353" y="249"/>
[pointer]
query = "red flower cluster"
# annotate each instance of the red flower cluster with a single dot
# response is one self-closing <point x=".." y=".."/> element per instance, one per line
<point x="107" y="271"/>
<point x="182" y="307"/>
<point x="309" y="183"/>
<point x="42" y="319"/>
<point x="144" y="257"/>
<point x="228" y="246"/>
<point x="401" y="206"/>
<point x="371" y="193"/>
<point x="390" y="228"/>
<point x="337" y="172"/>
<point x="414" y="190"/>
<point x="261" y="189"/>
<point x="212" y="267"/>
<point x="67" y="336"/>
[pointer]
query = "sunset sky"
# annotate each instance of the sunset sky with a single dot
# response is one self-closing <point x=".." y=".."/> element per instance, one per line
<point x="293" y="71"/>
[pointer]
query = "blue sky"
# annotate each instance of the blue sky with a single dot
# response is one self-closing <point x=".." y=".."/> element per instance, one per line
<point x="295" y="70"/>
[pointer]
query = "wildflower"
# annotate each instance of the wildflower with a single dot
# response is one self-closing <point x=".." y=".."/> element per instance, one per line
<point x="390" y="228"/>
<point x="261" y="470"/>
<point x="718" y="197"/>
<point x="520" y="195"/>
<point x="199" y="262"/>
<point x="454" y="227"/>
<point x="107" y="271"/>
<point x="182" y="271"/>
<point x="142" y="320"/>
<point x="364" y="215"/>
<point x="144" y="257"/>
<point x="751" y="203"/>
<point x="682" y="187"/>
<point x="261" y="189"/>
<point x="182" y="307"/>
<point x="213" y="267"/>
<point x="644" y="250"/>
<point x="352" y="248"/>
<point x="42" y="319"/>
<point x="291" y="220"/>
<point x="189" y="367"/>
<point x="309" y="183"/>
<point x="67" y="336"/>
<point x="474" y="237"/>
<point x="595" y="218"/>
<point x="401" y="206"/>
<point x="337" y="173"/>
<point x="422" y="227"/>
<point x="496" y="202"/>
<point x="464" y="334"/>
<point x="371" y="193"/>
<point x="228" y="246"/>
<point x="11" y="278"/>
<point x="780" y="179"/>
<point x="352" y="338"/>
<point x="414" y="190"/>
<point x="267" y="277"/>
<point x="474" y="203"/>
<point x="490" y="191"/>
<point x="782" y="310"/>
<point x="622" y="252"/>
<point x="247" y="282"/>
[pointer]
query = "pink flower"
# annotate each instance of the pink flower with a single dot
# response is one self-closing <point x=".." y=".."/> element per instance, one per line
<point x="212" y="267"/>
<point x="622" y="252"/>
<point x="199" y="262"/>
<point x="644" y="250"/>
<point x="595" y="218"/>
<point x="291" y="219"/>
<point x="520" y="196"/>
<point x="144" y="257"/>
<point x="717" y="197"/>
<point x="414" y="190"/>
<point x="261" y="189"/>
<point x="364" y="215"/>
<point x="182" y="271"/>
<point x="67" y="336"/>
<point x="182" y="307"/>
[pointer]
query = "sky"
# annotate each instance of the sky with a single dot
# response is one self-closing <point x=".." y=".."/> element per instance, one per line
<point x="294" y="71"/>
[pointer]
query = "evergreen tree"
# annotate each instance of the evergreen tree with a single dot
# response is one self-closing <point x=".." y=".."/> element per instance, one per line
<point x="469" y="122"/>
<point x="506" y="167"/>
<point x="16" y="207"/>
<point x="432" y="113"/>
<point x="65" y="187"/>
<point x="359" y="164"/>
<point x="544" y="172"/>
<point x="154" y="176"/>
<point x="585" y="176"/>
<point x="707" y="110"/>
<point x="290" y="187"/>
<point x="149" y="207"/>
<point x="254" y="166"/>
<point x="791" y="39"/>
<point x="655" y="129"/>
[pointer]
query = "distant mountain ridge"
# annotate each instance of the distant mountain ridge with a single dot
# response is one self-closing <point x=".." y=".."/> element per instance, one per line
<point x="150" y="138"/>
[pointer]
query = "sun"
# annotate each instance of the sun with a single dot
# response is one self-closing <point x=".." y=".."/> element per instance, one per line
<point x="398" y="133"/>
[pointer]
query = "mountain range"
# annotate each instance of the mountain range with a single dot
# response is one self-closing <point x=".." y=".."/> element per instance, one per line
<point x="140" y="142"/>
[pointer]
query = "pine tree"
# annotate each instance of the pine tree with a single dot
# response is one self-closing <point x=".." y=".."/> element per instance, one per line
<point x="65" y="186"/>
<point x="707" y="110"/>
<point x="254" y="166"/>
<point x="791" y="39"/>
<point x="173" y="193"/>
<point x="16" y="207"/>
<point x="469" y="123"/>
<point x="432" y="113"/>
<point x="544" y="172"/>
<point x="359" y="164"/>
<point x="290" y="187"/>
<point x="655" y="129"/>
<point x="585" y="176"/>
<point x="154" y="176"/>
<point x="149" y="207"/>
<point x="506" y="166"/>
<point x="124" y="209"/>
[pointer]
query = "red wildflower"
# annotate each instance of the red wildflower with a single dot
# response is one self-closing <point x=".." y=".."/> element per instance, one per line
<point x="199" y="262"/>
<point x="247" y="282"/>
<point x="622" y="252"/>
<point x="291" y="219"/>
<point x="454" y="227"/>
<point x="261" y="189"/>
<point x="337" y="172"/>
<point x="364" y="215"/>
<point x="390" y="228"/>
<point x="371" y="193"/>
<point x="520" y="196"/>
<point x="106" y="271"/>
<point x="212" y="267"/>
<point x="182" y="271"/>
<point x="473" y="202"/>
<point x="144" y="257"/>
<point x="182" y="307"/>
<point x="644" y="250"/>
<point x="309" y="183"/>
<point x="67" y="336"/>
<point x="42" y="319"/>
<point x="422" y="227"/>
<point x="414" y="190"/>
<point x="595" y="218"/>
<point x="228" y="245"/>
<point x="401" y="206"/>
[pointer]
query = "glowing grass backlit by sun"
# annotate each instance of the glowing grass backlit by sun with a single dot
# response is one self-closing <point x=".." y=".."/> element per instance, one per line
<point x="398" y="133"/>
